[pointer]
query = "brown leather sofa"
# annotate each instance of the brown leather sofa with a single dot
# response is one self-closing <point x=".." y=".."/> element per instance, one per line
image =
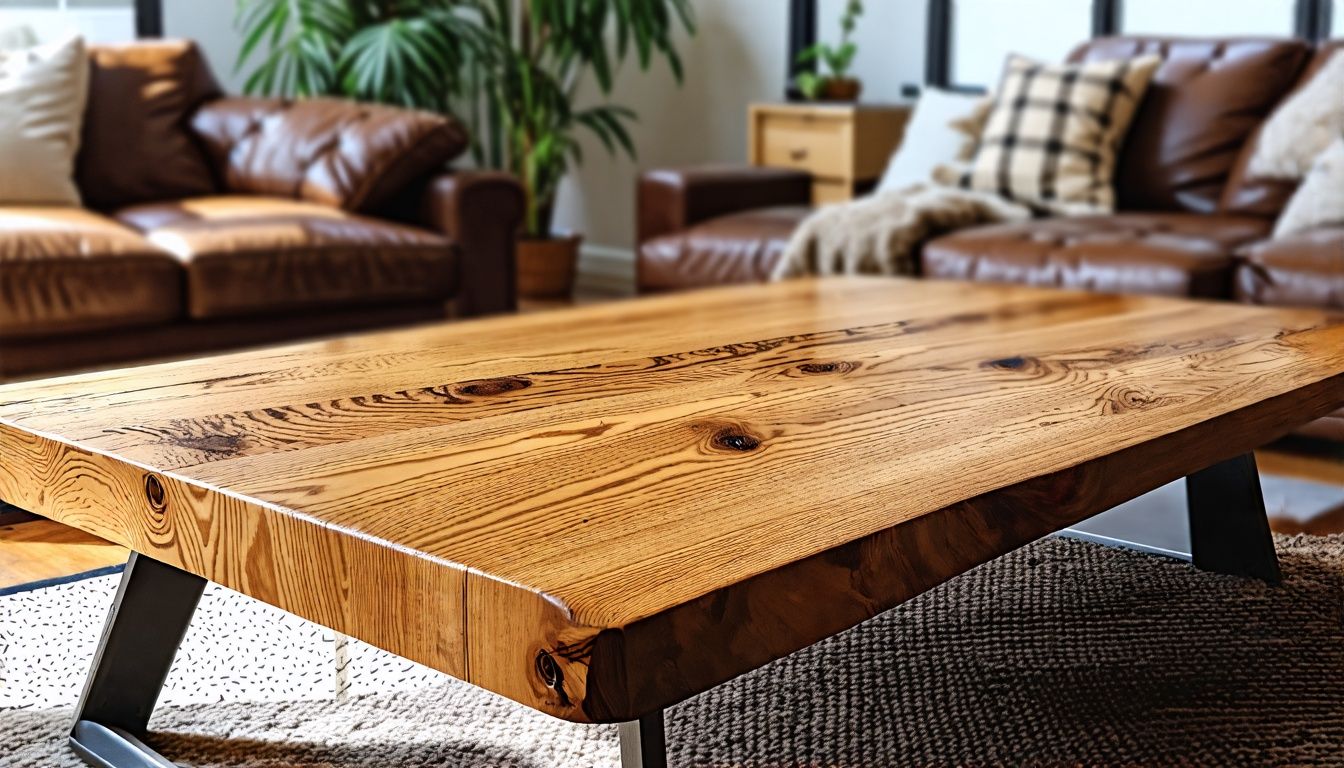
<point x="1190" y="221"/>
<point x="213" y="222"/>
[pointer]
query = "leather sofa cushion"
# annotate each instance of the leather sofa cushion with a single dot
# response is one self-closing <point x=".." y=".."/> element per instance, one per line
<point x="1168" y="254"/>
<point x="1204" y="102"/>
<point x="257" y="255"/>
<point x="137" y="145"/>
<point x="340" y="153"/>
<point x="67" y="270"/>
<point x="737" y="248"/>
<point x="1303" y="270"/>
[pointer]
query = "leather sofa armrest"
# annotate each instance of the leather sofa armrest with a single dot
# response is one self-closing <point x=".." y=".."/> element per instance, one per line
<point x="480" y="211"/>
<point x="671" y="200"/>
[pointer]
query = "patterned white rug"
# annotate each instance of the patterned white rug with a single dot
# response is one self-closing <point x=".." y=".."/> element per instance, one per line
<point x="1063" y="653"/>
<point x="237" y="649"/>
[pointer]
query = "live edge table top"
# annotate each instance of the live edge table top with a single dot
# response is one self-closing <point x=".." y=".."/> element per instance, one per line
<point x="601" y="511"/>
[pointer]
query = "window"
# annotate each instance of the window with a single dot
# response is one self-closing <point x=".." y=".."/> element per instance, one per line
<point x="1210" y="18"/>
<point x="1042" y="29"/>
<point x="97" y="20"/>
<point x="1338" y="16"/>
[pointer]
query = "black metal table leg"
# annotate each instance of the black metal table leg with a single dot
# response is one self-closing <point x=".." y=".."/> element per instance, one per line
<point x="149" y="617"/>
<point x="1229" y="529"/>
<point x="643" y="743"/>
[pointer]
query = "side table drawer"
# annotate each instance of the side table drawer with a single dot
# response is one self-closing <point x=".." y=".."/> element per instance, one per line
<point x="843" y="147"/>
<point x="820" y="146"/>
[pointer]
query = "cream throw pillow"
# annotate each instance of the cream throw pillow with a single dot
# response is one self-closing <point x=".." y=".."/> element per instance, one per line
<point x="1055" y="130"/>
<point x="42" y="95"/>
<point x="1320" y="200"/>
<point x="1303" y="126"/>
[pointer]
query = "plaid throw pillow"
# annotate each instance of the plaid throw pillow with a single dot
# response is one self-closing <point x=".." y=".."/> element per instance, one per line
<point x="1055" y="130"/>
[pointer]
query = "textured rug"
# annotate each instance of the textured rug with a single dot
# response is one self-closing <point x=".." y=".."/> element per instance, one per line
<point x="1061" y="654"/>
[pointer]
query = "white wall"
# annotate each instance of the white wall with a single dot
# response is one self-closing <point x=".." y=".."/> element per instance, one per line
<point x="736" y="57"/>
<point x="1041" y="29"/>
<point x="98" y="24"/>
<point x="210" y="24"/>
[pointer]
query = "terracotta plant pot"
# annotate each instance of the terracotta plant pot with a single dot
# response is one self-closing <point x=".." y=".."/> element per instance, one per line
<point x="546" y="266"/>
<point x="842" y="89"/>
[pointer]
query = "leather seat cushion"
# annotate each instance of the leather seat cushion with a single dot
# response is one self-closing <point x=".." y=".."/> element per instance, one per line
<point x="257" y="255"/>
<point x="1167" y="254"/>
<point x="67" y="270"/>
<point x="340" y="153"/>
<point x="1304" y="270"/>
<point x="136" y="145"/>
<point x="738" y="248"/>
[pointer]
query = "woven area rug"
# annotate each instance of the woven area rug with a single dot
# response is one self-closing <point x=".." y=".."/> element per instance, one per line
<point x="1063" y="653"/>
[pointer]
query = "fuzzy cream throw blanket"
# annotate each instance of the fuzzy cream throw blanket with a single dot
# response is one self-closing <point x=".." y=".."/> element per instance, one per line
<point x="878" y="235"/>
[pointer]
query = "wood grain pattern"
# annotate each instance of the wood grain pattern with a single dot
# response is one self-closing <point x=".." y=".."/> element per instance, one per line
<point x="602" y="511"/>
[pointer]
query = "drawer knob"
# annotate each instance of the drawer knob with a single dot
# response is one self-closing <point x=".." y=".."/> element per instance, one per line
<point x="798" y="154"/>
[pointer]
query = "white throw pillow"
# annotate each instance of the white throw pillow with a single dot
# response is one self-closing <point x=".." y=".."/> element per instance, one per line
<point x="943" y="130"/>
<point x="1303" y="126"/>
<point x="1320" y="200"/>
<point x="42" y="95"/>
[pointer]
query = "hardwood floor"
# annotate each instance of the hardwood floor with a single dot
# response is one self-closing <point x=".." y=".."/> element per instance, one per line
<point x="38" y="549"/>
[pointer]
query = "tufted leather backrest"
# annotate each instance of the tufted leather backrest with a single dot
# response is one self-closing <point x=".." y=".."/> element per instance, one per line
<point x="136" y="145"/>
<point x="339" y="153"/>
<point x="1205" y="101"/>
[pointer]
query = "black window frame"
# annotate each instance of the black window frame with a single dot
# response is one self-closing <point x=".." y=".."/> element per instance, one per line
<point x="149" y="18"/>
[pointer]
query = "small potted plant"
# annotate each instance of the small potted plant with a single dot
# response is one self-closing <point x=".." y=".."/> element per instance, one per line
<point x="837" y="85"/>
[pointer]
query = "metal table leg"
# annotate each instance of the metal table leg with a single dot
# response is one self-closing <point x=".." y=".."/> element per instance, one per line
<point x="1229" y="529"/>
<point x="149" y="617"/>
<point x="643" y="743"/>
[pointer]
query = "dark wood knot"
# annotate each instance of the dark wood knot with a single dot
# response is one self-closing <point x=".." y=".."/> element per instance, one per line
<point x="839" y="366"/>
<point x="155" y="493"/>
<point x="1015" y="363"/>
<point x="1124" y="398"/>
<point x="552" y="676"/>
<point x="735" y="440"/>
<point x="491" y="387"/>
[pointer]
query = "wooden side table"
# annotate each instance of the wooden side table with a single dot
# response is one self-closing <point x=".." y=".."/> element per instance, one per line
<point x="843" y="146"/>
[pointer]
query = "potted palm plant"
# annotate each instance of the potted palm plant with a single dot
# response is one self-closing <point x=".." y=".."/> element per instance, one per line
<point x="511" y="70"/>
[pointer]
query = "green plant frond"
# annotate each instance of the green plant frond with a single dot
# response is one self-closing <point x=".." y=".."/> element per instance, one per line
<point x="507" y="68"/>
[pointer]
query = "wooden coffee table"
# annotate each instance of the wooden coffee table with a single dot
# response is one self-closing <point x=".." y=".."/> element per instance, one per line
<point x="601" y="512"/>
